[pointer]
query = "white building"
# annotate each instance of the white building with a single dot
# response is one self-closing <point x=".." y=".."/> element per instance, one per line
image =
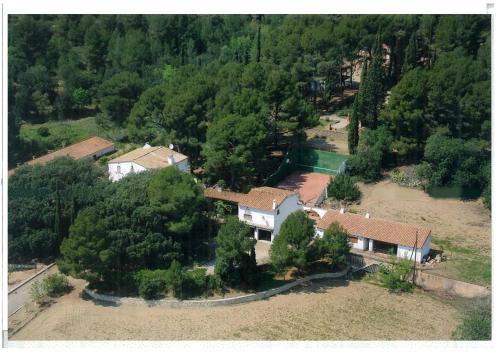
<point x="264" y="208"/>
<point x="146" y="158"/>
<point x="378" y="235"/>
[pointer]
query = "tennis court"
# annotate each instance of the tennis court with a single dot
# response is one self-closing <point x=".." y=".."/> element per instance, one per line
<point x="315" y="160"/>
<point x="311" y="186"/>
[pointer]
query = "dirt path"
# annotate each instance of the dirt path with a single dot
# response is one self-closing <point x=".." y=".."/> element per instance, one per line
<point x="332" y="310"/>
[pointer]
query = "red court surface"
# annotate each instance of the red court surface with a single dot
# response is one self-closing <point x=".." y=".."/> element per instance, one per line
<point x="310" y="185"/>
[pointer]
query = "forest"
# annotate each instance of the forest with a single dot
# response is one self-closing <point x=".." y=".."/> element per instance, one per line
<point x="225" y="90"/>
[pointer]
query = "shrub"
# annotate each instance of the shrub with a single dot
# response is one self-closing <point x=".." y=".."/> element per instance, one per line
<point x="175" y="278"/>
<point x="38" y="293"/>
<point x="43" y="131"/>
<point x="396" y="275"/>
<point x="342" y="187"/>
<point x="56" y="285"/>
<point x="195" y="282"/>
<point x="151" y="284"/>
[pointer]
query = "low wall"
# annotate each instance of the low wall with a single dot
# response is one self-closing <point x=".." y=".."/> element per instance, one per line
<point x="435" y="282"/>
<point x="218" y="302"/>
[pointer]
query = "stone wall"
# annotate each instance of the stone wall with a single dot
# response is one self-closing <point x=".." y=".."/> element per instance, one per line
<point x="434" y="282"/>
<point x="218" y="302"/>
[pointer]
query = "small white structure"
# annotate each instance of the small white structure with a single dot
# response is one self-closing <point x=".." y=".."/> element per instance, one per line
<point x="146" y="158"/>
<point x="264" y="208"/>
<point x="378" y="235"/>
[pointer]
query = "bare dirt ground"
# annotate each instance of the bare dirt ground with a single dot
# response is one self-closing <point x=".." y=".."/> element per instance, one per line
<point x="324" y="138"/>
<point x="331" y="310"/>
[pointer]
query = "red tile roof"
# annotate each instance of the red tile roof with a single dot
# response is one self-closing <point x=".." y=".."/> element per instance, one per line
<point x="259" y="198"/>
<point x="376" y="229"/>
<point x="76" y="151"/>
<point x="262" y="198"/>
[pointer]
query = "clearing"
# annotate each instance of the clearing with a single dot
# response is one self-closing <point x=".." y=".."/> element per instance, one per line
<point x="461" y="228"/>
<point x="328" y="310"/>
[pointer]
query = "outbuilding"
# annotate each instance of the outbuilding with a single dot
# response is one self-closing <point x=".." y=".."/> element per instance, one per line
<point x="378" y="235"/>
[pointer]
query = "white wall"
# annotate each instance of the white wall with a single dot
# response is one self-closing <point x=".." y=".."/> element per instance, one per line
<point x="406" y="251"/>
<point x="270" y="219"/>
<point x="261" y="218"/>
<point x="361" y="244"/>
<point x="288" y="206"/>
<point x="321" y="212"/>
<point x="125" y="169"/>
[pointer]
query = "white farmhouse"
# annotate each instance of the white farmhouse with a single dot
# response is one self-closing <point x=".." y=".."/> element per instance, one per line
<point x="146" y="158"/>
<point x="378" y="235"/>
<point x="264" y="209"/>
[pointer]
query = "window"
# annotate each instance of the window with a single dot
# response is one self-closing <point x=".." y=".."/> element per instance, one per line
<point x="118" y="169"/>
<point x="247" y="216"/>
<point x="131" y="168"/>
<point x="277" y="212"/>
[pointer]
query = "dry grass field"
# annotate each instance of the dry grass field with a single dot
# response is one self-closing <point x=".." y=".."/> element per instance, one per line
<point x="461" y="228"/>
<point x="330" y="310"/>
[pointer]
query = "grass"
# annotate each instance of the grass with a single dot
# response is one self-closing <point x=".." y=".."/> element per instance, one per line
<point x="467" y="263"/>
<point x="67" y="132"/>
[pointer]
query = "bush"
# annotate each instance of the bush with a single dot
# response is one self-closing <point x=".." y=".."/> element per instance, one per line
<point x="175" y="279"/>
<point x="151" y="284"/>
<point x="342" y="187"/>
<point x="195" y="283"/>
<point x="43" y="131"/>
<point x="395" y="276"/>
<point x="56" y="285"/>
<point x="38" y="293"/>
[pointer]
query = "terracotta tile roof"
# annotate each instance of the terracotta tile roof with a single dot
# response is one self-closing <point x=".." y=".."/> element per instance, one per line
<point x="376" y="229"/>
<point x="229" y="196"/>
<point x="77" y="151"/>
<point x="262" y="198"/>
<point x="150" y="157"/>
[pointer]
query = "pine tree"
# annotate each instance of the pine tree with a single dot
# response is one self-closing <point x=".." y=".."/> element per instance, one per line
<point x="374" y="87"/>
<point x="353" y="133"/>
<point x="411" y="54"/>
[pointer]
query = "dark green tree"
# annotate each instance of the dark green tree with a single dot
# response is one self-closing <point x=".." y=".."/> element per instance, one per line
<point x="290" y="246"/>
<point x="334" y="244"/>
<point x="235" y="254"/>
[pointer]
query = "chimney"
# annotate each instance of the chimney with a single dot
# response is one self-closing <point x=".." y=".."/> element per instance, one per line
<point x="342" y="211"/>
<point x="146" y="145"/>
<point x="171" y="159"/>
<point x="274" y="204"/>
<point x="367" y="215"/>
<point x="219" y="189"/>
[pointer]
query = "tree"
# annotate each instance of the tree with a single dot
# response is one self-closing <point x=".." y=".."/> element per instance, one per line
<point x="41" y="201"/>
<point x="146" y="221"/>
<point x="342" y="187"/>
<point x="373" y="153"/>
<point x="234" y="148"/>
<point x="147" y="121"/>
<point x="235" y="254"/>
<point x="395" y="276"/>
<point x="334" y="244"/>
<point x="290" y="246"/>
<point x="353" y="128"/>
<point x="118" y="95"/>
